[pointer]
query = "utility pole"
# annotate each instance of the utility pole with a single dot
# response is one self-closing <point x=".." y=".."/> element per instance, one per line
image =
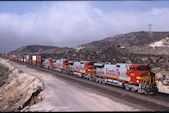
<point x="149" y="26"/>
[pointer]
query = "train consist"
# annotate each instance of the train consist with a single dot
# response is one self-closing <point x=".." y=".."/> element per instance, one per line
<point x="134" y="77"/>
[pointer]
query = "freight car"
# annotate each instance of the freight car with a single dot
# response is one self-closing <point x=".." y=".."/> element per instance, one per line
<point x="134" y="77"/>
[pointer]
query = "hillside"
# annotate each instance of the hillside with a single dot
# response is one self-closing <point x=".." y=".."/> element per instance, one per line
<point x="154" y="43"/>
<point x="128" y="40"/>
<point x="39" y="49"/>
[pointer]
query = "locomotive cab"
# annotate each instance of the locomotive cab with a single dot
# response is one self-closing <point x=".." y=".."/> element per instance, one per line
<point x="90" y="67"/>
<point x="142" y="76"/>
<point x="65" y="64"/>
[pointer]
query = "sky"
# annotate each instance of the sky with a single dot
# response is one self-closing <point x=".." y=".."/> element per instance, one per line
<point x="72" y="23"/>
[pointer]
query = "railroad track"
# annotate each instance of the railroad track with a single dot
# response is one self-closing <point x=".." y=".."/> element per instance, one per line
<point x="159" y="102"/>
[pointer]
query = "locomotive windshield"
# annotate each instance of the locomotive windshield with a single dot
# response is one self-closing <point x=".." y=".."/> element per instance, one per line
<point x="132" y="69"/>
<point x="66" y="61"/>
<point x="91" y="63"/>
<point x="143" y="68"/>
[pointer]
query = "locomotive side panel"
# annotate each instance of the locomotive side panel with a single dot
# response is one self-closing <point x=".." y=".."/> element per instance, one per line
<point x="113" y="71"/>
<point x="78" y="67"/>
<point x="121" y="68"/>
<point x="58" y="63"/>
<point x="45" y="63"/>
<point x="100" y="70"/>
<point x="110" y="71"/>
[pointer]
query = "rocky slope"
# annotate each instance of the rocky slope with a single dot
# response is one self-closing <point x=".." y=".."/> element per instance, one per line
<point x="18" y="89"/>
<point x="160" y="47"/>
<point x="128" y="39"/>
<point x="156" y="43"/>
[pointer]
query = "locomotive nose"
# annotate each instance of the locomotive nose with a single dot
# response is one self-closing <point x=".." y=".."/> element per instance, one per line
<point x="144" y="73"/>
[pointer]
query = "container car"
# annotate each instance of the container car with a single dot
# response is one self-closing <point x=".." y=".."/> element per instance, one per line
<point x="30" y="59"/>
<point x="27" y="58"/>
<point x="34" y="59"/>
<point x="39" y="60"/>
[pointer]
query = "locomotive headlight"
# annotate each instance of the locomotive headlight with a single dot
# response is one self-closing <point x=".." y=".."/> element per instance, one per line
<point x="137" y="81"/>
<point x="138" y="77"/>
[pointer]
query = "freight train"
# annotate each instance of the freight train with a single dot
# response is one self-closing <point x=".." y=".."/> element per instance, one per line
<point x="134" y="77"/>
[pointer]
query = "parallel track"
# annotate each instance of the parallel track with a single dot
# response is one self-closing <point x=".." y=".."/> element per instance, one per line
<point x="159" y="102"/>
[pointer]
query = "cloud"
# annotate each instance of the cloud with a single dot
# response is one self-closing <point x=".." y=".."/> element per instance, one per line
<point x="74" y="23"/>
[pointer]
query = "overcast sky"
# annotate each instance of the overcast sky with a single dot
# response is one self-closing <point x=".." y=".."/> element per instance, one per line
<point x="71" y="23"/>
